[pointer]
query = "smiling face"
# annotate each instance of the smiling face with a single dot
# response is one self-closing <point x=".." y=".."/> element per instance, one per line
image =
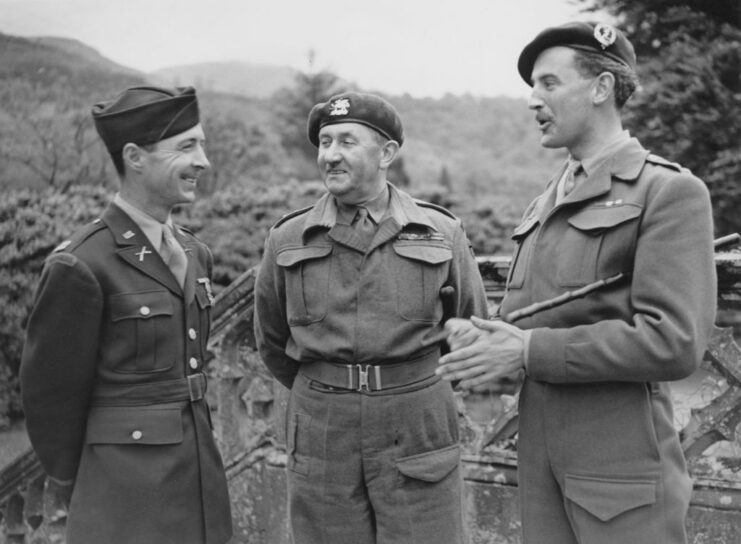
<point x="169" y="172"/>
<point x="562" y="101"/>
<point x="352" y="160"/>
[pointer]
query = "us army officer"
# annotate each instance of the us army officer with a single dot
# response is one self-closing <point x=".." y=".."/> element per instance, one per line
<point x="112" y="369"/>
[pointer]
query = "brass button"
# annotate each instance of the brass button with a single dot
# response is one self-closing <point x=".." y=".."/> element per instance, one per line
<point x="192" y="334"/>
<point x="144" y="310"/>
<point x="136" y="435"/>
<point x="193" y="363"/>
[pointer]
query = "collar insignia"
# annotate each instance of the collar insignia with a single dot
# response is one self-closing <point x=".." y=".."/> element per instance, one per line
<point x="128" y="234"/>
<point x="207" y="286"/>
<point x="341" y="106"/>
<point x="605" y="35"/>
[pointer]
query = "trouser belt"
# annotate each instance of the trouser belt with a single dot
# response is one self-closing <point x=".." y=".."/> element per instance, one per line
<point x="191" y="388"/>
<point x="371" y="376"/>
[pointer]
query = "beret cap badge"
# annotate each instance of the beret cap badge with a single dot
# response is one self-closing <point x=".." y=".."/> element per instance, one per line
<point x="341" y="106"/>
<point x="605" y="35"/>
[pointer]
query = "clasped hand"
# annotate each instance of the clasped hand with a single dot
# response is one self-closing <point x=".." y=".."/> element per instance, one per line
<point x="481" y="351"/>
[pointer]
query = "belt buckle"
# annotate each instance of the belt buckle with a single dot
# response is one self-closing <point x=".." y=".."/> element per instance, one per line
<point x="197" y="385"/>
<point x="363" y="384"/>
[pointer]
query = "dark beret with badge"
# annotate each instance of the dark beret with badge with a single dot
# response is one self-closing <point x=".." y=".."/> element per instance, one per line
<point x="145" y="115"/>
<point x="351" y="107"/>
<point x="592" y="37"/>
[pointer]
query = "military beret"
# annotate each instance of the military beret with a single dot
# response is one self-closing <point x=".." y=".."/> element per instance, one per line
<point x="594" y="37"/>
<point x="145" y="115"/>
<point x="351" y="107"/>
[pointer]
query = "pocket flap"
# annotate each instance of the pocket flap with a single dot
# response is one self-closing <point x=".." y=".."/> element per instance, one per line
<point x="524" y="228"/>
<point x="604" y="217"/>
<point x="294" y="255"/>
<point x="138" y="425"/>
<point x="431" y="466"/>
<point x="428" y="253"/>
<point x="140" y="305"/>
<point x="605" y="498"/>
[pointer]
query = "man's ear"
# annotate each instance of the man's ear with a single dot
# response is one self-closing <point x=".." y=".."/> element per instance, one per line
<point x="389" y="151"/>
<point x="604" y="88"/>
<point x="133" y="157"/>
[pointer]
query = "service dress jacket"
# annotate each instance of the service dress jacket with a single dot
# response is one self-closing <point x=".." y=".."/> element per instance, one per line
<point x="111" y="343"/>
<point x="321" y="295"/>
<point x="595" y="399"/>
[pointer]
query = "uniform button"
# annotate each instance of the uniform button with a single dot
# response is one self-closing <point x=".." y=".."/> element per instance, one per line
<point x="193" y="363"/>
<point x="136" y="435"/>
<point x="144" y="310"/>
<point x="192" y="334"/>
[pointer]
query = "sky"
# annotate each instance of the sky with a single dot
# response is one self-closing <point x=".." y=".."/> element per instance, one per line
<point x="420" y="47"/>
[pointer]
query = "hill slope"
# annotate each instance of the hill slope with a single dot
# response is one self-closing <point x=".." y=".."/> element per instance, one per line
<point x="240" y="78"/>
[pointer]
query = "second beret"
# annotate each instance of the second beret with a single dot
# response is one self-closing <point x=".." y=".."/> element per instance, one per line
<point x="595" y="37"/>
<point x="352" y="107"/>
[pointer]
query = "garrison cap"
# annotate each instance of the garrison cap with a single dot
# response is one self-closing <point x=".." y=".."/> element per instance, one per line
<point x="145" y="115"/>
<point x="594" y="37"/>
<point x="351" y="107"/>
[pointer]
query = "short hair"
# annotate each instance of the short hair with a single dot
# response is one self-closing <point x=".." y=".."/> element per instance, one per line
<point x="593" y="64"/>
<point x="118" y="161"/>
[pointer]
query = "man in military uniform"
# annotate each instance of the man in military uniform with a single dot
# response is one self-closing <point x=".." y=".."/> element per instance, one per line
<point x="599" y="459"/>
<point x="112" y="369"/>
<point x="345" y="295"/>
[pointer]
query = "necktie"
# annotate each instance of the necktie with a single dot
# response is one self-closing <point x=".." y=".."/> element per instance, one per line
<point x="568" y="181"/>
<point x="364" y="226"/>
<point x="173" y="254"/>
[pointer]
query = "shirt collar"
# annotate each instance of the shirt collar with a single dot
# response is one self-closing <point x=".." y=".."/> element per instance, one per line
<point x="590" y="164"/>
<point x="151" y="228"/>
<point x="399" y="206"/>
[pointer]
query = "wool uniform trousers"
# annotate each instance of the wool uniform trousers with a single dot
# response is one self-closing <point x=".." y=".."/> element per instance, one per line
<point x="378" y="467"/>
<point x="600" y="464"/>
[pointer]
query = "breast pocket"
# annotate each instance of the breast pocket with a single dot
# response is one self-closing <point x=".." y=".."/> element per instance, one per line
<point x="420" y="273"/>
<point x="307" y="272"/>
<point x="599" y="243"/>
<point x="142" y="323"/>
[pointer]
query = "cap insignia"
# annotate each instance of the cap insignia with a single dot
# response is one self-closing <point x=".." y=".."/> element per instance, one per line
<point x="605" y="35"/>
<point x="341" y="106"/>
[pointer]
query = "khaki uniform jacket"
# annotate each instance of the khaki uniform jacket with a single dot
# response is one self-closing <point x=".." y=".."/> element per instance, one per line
<point x="320" y="297"/>
<point x="110" y="341"/>
<point x="594" y="363"/>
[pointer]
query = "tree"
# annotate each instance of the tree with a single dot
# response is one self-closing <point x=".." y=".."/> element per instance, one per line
<point x="688" y="108"/>
<point x="293" y="106"/>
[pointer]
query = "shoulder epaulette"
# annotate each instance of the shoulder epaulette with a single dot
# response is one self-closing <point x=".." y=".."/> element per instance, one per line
<point x="80" y="236"/>
<point x="656" y="159"/>
<point x="436" y="207"/>
<point x="291" y="215"/>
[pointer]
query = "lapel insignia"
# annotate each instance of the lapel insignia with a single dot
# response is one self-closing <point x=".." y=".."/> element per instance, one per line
<point x="140" y="254"/>
<point x="207" y="286"/>
<point x="128" y="234"/>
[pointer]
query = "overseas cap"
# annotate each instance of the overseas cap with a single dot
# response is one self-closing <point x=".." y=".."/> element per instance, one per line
<point x="145" y="115"/>
<point x="594" y="37"/>
<point x="367" y="109"/>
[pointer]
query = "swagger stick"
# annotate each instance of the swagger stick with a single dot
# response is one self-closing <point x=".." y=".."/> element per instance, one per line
<point x="538" y="307"/>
